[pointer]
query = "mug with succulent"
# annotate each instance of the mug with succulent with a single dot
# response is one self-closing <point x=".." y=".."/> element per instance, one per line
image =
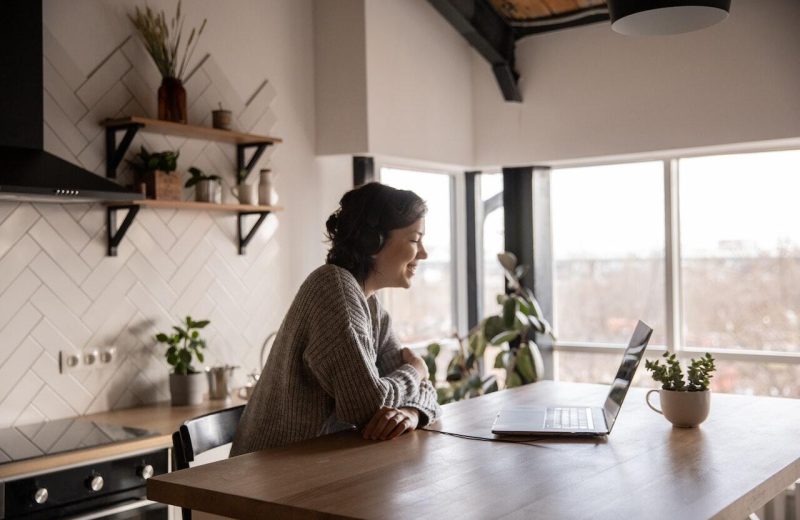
<point x="685" y="401"/>
<point x="514" y="330"/>
<point x="163" y="42"/>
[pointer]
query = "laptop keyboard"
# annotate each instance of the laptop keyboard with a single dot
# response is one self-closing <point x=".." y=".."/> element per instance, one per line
<point x="569" y="418"/>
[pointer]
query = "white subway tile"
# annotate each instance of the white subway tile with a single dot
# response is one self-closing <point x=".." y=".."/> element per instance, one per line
<point x="57" y="247"/>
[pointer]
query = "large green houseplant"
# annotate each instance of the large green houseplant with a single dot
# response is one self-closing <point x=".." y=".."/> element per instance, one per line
<point x="514" y="330"/>
<point x="186" y="384"/>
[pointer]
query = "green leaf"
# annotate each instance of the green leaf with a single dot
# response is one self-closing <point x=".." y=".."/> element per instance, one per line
<point x="509" y="311"/>
<point x="538" y="362"/>
<point x="200" y="324"/>
<point x="200" y="357"/>
<point x="162" y="338"/>
<point x="525" y="365"/>
<point x="504" y="337"/>
<point x="185" y="356"/>
<point x="434" y="349"/>
<point x="492" y="326"/>
<point x="501" y="361"/>
<point x="513" y="380"/>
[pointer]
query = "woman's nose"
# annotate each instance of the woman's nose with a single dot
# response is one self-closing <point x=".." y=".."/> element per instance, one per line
<point x="422" y="253"/>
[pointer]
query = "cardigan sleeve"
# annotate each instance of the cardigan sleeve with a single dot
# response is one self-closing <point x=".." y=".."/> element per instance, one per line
<point x="390" y="358"/>
<point x="342" y="357"/>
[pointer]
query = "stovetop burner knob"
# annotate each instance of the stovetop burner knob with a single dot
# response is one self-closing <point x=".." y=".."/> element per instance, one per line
<point x="40" y="496"/>
<point x="95" y="483"/>
<point x="146" y="471"/>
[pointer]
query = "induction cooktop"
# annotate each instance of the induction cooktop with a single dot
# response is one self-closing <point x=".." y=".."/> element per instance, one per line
<point x="59" y="436"/>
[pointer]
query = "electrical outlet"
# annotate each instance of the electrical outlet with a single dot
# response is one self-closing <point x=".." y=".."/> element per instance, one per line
<point x="108" y="355"/>
<point x="69" y="362"/>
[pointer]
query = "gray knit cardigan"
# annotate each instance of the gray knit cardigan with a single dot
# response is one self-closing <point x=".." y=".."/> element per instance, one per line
<point x="334" y="363"/>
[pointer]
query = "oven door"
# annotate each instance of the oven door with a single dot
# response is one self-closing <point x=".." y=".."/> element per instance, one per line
<point x="141" y="509"/>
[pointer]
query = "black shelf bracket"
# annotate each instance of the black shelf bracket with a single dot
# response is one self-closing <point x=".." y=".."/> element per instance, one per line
<point x="245" y="239"/>
<point x="241" y="163"/>
<point x="113" y="234"/>
<point x="114" y="153"/>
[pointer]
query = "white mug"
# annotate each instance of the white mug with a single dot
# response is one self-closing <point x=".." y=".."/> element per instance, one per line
<point x="682" y="409"/>
<point x="246" y="193"/>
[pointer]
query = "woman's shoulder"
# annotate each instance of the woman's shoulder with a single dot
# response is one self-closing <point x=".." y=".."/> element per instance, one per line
<point x="332" y="279"/>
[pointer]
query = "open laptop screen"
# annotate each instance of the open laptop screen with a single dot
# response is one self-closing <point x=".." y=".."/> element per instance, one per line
<point x="630" y="360"/>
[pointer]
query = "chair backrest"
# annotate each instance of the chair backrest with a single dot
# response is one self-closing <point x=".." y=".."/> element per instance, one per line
<point x="203" y="433"/>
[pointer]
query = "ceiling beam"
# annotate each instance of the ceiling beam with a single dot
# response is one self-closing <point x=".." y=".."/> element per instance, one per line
<point x="489" y="34"/>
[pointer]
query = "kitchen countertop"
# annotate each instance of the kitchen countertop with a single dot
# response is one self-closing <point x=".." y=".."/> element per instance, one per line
<point x="161" y="418"/>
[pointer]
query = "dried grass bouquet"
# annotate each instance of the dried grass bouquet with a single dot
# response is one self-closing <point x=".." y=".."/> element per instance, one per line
<point x="163" y="41"/>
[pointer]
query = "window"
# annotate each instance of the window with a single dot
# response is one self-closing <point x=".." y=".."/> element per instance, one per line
<point x="740" y="251"/>
<point x="735" y="277"/>
<point x="493" y="233"/>
<point x="608" y="251"/>
<point x="425" y="312"/>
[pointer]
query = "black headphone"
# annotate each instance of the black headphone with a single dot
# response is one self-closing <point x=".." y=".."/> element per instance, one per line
<point x="372" y="238"/>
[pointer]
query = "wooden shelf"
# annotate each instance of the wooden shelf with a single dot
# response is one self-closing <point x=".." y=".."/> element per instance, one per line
<point x="188" y="204"/>
<point x="116" y="151"/>
<point x="115" y="234"/>
<point x="196" y="132"/>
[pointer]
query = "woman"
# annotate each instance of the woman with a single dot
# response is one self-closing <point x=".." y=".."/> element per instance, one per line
<point x="335" y="362"/>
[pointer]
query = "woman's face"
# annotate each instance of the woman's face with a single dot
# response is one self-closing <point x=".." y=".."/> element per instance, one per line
<point x="396" y="262"/>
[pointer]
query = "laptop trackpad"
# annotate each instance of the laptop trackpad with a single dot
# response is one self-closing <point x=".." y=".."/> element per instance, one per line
<point x="520" y="419"/>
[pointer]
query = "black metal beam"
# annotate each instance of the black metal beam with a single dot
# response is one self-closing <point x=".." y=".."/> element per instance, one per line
<point x="245" y="238"/>
<point x="472" y="179"/>
<point x="518" y="217"/>
<point x="363" y="170"/>
<point x="488" y="33"/>
<point x="575" y="18"/>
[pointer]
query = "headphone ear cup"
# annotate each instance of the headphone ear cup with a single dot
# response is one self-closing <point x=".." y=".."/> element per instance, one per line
<point x="372" y="241"/>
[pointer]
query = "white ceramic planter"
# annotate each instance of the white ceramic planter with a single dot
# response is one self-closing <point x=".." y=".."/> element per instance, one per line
<point x="683" y="409"/>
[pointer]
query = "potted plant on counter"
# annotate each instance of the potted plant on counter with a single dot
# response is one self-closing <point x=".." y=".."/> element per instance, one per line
<point x="186" y="385"/>
<point x="156" y="172"/>
<point x="205" y="186"/>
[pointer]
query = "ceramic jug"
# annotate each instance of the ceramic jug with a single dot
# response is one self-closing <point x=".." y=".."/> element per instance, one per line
<point x="267" y="196"/>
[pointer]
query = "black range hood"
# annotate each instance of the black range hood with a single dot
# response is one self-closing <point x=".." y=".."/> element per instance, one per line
<point x="27" y="171"/>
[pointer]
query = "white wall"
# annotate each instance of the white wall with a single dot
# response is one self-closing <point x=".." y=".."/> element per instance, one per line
<point x="58" y="290"/>
<point x="419" y="84"/>
<point x="589" y="92"/>
<point x="340" y="75"/>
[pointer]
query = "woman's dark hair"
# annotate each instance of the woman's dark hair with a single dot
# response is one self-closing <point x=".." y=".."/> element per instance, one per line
<point x="361" y="225"/>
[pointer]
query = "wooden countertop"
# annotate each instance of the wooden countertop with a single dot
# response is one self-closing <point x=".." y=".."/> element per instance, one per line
<point x="160" y="417"/>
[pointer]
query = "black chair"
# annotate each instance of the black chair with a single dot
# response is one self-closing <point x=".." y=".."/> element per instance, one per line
<point x="201" y="434"/>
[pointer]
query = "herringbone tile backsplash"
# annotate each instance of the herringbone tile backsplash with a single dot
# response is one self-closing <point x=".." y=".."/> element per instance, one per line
<point x="60" y="292"/>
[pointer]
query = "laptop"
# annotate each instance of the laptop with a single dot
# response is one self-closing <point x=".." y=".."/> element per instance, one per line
<point x="578" y="421"/>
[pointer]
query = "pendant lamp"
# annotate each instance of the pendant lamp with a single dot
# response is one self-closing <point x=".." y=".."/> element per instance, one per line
<point x="659" y="17"/>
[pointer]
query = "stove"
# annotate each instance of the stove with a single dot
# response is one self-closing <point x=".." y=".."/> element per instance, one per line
<point x="108" y="488"/>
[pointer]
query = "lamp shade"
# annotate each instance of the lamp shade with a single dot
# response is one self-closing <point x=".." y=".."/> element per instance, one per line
<point x="658" y="17"/>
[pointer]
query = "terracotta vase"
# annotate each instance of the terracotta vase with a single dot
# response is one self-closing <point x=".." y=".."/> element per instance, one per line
<point x="172" y="100"/>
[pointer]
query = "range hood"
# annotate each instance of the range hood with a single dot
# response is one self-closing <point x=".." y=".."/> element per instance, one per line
<point x="27" y="171"/>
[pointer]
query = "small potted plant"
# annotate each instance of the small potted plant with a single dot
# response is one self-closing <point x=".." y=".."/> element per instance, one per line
<point x="684" y="403"/>
<point x="155" y="171"/>
<point x="186" y="385"/>
<point x="205" y="186"/>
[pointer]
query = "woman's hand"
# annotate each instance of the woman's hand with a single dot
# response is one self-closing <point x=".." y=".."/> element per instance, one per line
<point x="415" y="361"/>
<point x="390" y="422"/>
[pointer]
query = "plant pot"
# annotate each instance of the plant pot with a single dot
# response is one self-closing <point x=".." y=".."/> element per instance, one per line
<point x="172" y="100"/>
<point x="682" y="409"/>
<point x="187" y="389"/>
<point x="206" y="191"/>
<point x="161" y="185"/>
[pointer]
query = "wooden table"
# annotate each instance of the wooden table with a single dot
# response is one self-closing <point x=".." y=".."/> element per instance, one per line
<point x="746" y="452"/>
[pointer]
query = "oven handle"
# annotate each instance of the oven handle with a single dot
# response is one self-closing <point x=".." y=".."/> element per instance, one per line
<point x="119" y="508"/>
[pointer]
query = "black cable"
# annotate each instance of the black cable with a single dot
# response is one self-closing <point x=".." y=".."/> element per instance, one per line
<point x="527" y="442"/>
